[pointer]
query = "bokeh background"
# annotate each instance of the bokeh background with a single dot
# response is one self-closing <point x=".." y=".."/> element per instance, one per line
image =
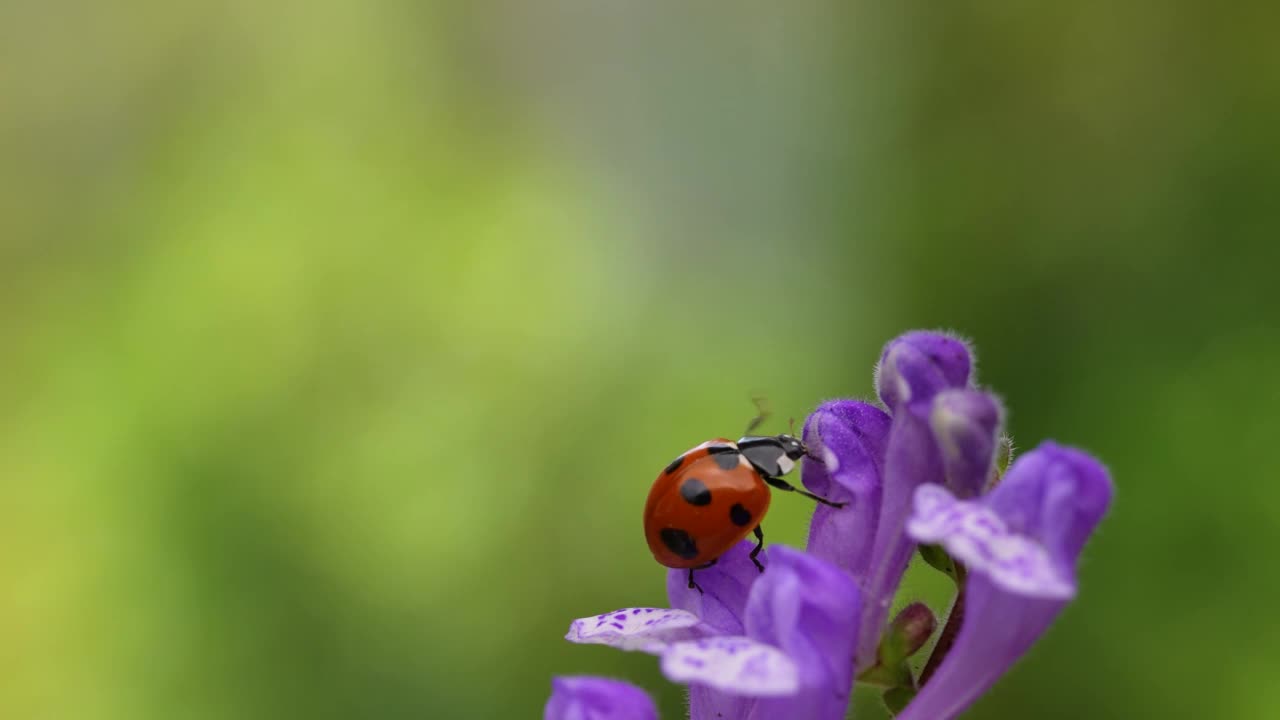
<point x="340" y="342"/>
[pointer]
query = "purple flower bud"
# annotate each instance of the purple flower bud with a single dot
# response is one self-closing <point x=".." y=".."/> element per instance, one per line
<point x="918" y="365"/>
<point x="593" y="698"/>
<point x="966" y="425"/>
<point x="1020" y="544"/>
<point x="914" y="369"/>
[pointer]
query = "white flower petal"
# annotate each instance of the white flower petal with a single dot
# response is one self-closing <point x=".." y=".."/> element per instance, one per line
<point x="734" y="664"/>
<point x="650" y="630"/>
<point x="977" y="537"/>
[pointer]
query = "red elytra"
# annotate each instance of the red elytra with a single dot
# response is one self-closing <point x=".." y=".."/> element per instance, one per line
<point x="712" y="496"/>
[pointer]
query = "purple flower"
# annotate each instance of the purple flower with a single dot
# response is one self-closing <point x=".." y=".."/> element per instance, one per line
<point x="938" y="431"/>
<point x="790" y="642"/>
<point x="750" y="646"/>
<point x="1019" y="544"/>
<point x="589" y="698"/>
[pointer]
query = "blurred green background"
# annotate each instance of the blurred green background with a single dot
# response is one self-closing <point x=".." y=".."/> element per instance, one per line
<point x="339" y="343"/>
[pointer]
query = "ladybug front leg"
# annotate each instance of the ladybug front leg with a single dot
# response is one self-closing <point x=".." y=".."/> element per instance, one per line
<point x="784" y="485"/>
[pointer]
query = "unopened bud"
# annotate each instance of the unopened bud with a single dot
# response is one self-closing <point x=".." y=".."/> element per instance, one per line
<point x="966" y="424"/>
<point x="917" y="365"/>
<point x="908" y="632"/>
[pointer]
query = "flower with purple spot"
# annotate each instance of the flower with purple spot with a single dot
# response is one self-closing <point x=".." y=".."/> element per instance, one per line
<point x="919" y="472"/>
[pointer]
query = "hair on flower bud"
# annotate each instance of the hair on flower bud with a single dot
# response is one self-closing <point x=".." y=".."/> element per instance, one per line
<point x="1005" y="450"/>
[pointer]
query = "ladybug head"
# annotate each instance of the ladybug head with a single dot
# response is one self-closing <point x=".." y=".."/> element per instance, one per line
<point x="792" y="447"/>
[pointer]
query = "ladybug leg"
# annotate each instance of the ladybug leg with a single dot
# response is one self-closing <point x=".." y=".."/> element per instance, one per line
<point x="784" y="485"/>
<point x="758" y="548"/>
<point x="693" y="585"/>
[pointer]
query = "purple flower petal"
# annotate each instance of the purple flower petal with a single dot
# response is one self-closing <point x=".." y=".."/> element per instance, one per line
<point x="1052" y="498"/>
<point x="848" y="439"/>
<point x="649" y="630"/>
<point x="720" y="605"/>
<point x="593" y="698"/>
<point x="808" y="608"/>
<point x="912" y="458"/>
<point x="724" y="588"/>
<point x="733" y="664"/>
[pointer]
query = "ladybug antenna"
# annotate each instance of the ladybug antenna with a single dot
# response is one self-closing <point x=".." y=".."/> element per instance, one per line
<point x="762" y="414"/>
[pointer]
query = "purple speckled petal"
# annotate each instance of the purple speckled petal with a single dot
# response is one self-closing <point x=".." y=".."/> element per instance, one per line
<point x="724" y="588"/>
<point x="976" y="536"/>
<point x="966" y="424"/>
<point x="1053" y="497"/>
<point x="594" y="698"/>
<point x="917" y="365"/>
<point x="732" y="664"/>
<point x="649" y="630"/>
<point x="808" y="608"/>
<point x="847" y="438"/>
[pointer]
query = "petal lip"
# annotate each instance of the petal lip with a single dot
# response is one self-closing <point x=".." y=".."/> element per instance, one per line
<point x="584" y="697"/>
<point x="1057" y="494"/>
<point x="978" y="538"/>
<point x="734" y="664"/>
<point x="650" y="630"/>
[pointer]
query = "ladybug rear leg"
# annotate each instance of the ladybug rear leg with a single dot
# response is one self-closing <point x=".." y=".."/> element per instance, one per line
<point x="693" y="585"/>
<point x="784" y="485"/>
<point x="758" y="548"/>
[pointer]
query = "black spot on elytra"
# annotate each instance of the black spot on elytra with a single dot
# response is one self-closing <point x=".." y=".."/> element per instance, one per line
<point x="727" y="459"/>
<point x="679" y="542"/>
<point x="695" y="492"/>
<point x="675" y="465"/>
<point x="739" y="515"/>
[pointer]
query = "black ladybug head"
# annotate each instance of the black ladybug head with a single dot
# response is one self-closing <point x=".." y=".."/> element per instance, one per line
<point x="792" y="447"/>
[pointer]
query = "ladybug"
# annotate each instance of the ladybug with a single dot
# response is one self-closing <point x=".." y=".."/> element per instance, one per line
<point x="712" y="496"/>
